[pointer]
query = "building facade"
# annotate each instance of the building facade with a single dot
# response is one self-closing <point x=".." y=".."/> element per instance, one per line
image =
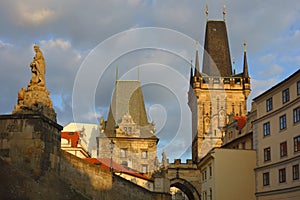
<point x="238" y="133"/>
<point x="217" y="92"/>
<point x="277" y="138"/>
<point x="227" y="174"/>
<point x="127" y="137"/>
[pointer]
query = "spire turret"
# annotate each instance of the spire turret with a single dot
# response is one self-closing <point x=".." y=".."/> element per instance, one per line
<point x="245" y="67"/>
<point x="197" y="69"/>
<point x="191" y="75"/>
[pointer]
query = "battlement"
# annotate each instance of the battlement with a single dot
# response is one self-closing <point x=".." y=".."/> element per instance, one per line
<point x="178" y="164"/>
<point x="227" y="83"/>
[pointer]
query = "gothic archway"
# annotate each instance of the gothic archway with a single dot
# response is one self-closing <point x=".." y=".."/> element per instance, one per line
<point x="185" y="187"/>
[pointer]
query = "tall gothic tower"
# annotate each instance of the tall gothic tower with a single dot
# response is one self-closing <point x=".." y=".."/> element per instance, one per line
<point x="217" y="92"/>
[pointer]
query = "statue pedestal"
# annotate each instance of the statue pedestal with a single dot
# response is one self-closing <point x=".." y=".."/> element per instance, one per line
<point x="30" y="142"/>
<point x="35" y="100"/>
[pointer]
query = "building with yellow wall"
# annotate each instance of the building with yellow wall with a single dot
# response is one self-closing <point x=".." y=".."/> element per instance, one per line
<point x="277" y="136"/>
<point x="228" y="174"/>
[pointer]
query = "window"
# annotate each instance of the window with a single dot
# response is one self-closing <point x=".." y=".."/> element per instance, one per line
<point x="298" y="87"/>
<point x="285" y="95"/>
<point x="144" y="168"/>
<point x="297" y="143"/>
<point x="204" y="177"/>
<point x="267" y="154"/>
<point x="296" y="172"/>
<point x="283" y="149"/>
<point x="204" y="195"/>
<point x="123" y="153"/>
<point x="282" y="122"/>
<point x="210" y="171"/>
<point x="210" y="194"/>
<point x="282" y="175"/>
<point x="269" y="104"/>
<point x="144" y="154"/>
<point x="125" y="163"/>
<point x="243" y="145"/>
<point x="266" y="128"/>
<point x="296" y="112"/>
<point x="266" y="179"/>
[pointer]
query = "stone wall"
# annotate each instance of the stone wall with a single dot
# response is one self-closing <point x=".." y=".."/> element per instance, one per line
<point x="98" y="183"/>
<point x="30" y="142"/>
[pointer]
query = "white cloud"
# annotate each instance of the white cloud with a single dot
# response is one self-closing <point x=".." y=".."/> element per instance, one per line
<point x="33" y="15"/>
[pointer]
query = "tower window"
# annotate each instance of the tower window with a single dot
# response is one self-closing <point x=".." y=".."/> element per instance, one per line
<point x="144" y="168"/>
<point x="144" y="154"/>
<point x="123" y="153"/>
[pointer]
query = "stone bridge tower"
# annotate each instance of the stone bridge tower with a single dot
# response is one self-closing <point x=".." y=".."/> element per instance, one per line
<point x="217" y="92"/>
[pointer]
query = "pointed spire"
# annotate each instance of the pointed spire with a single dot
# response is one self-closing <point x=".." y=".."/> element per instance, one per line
<point x="191" y="74"/>
<point x="206" y="12"/>
<point x="245" y="68"/>
<point x="224" y="12"/>
<point x="197" y="70"/>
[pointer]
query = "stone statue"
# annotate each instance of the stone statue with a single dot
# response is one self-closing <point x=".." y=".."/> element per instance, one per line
<point x="38" y="67"/>
<point x="164" y="160"/>
<point x="35" y="99"/>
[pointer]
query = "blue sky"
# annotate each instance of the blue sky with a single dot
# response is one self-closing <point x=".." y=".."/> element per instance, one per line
<point x="71" y="32"/>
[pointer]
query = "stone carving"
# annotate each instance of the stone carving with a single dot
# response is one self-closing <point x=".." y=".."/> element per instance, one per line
<point x="38" y="67"/>
<point x="35" y="99"/>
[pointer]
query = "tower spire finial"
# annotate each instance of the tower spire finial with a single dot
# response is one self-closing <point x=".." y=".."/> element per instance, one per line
<point x="245" y="67"/>
<point x="197" y="69"/>
<point x="224" y="12"/>
<point x="245" y="45"/>
<point x="206" y="12"/>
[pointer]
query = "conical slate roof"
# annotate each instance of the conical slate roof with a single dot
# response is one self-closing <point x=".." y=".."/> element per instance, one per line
<point x="127" y="98"/>
<point x="216" y="57"/>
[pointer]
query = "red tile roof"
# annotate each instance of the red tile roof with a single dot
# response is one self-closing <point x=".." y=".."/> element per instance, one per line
<point x="105" y="164"/>
<point x="73" y="136"/>
<point x="241" y="121"/>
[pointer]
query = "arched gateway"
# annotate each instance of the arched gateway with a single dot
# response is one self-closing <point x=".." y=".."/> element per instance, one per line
<point x="185" y="187"/>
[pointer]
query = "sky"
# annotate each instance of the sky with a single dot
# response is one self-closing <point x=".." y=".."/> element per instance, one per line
<point x="86" y="42"/>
